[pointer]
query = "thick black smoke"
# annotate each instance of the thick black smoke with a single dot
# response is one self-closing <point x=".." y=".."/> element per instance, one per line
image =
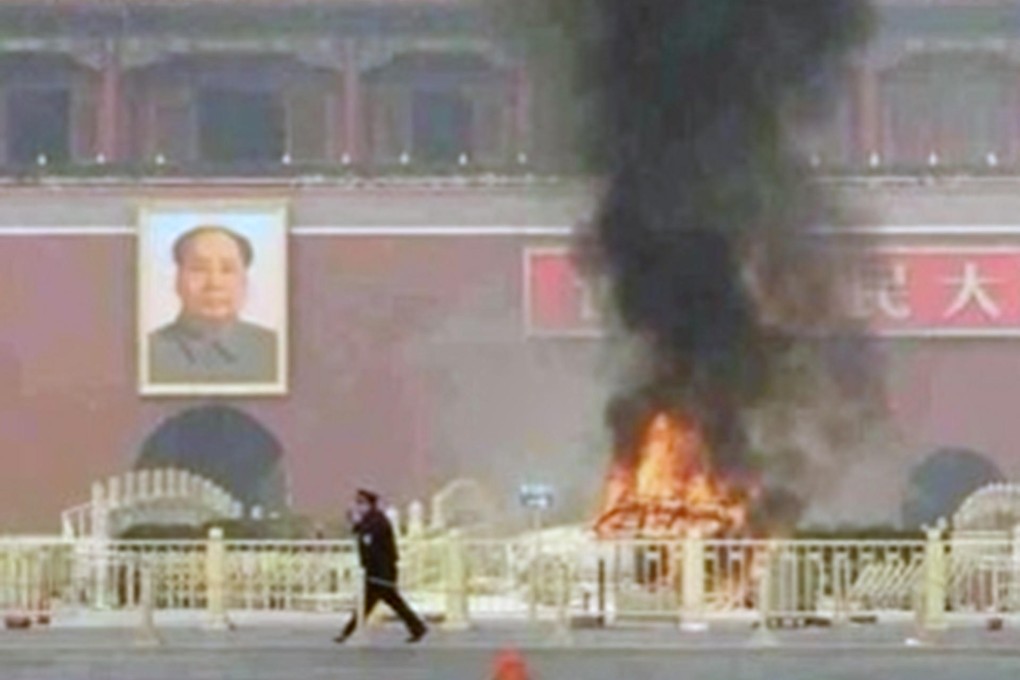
<point x="689" y="111"/>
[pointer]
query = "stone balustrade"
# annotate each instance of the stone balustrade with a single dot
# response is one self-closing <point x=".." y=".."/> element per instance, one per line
<point x="991" y="510"/>
<point x="156" y="496"/>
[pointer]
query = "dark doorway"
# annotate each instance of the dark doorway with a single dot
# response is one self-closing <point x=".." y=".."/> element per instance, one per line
<point x="38" y="123"/>
<point x="238" y="126"/>
<point x="226" y="446"/>
<point x="942" y="481"/>
<point x="442" y="126"/>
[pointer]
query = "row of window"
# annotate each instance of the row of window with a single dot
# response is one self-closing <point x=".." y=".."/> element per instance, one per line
<point x="259" y="111"/>
<point x="948" y="109"/>
<point x="951" y="109"/>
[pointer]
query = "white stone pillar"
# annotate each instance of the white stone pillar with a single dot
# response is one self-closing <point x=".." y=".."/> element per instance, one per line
<point x="415" y="520"/>
<point x="215" y="580"/>
<point x="99" y="546"/>
<point x="147" y="635"/>
<point x="159" y="483"/>
<point x="931" y="617"/>
<point x="1014" y="572"/>
<point x="144" y="485"/>
<point x="692" y="584"/>
<point x="173" y="484"/>
<point x="113" y="497"/>
<point x="763" y="636"/>
<point x="456" y="583"/>
<point x="128" y="490"/>
<point x="564" y="584"/>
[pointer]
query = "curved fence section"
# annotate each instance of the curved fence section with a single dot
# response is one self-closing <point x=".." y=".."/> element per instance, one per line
<point x="156" y="496"/>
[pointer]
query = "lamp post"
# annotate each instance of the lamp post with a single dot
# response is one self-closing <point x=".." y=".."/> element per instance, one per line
<point x="537" y="498"/>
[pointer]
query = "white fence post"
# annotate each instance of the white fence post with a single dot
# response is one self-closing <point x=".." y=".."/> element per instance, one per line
<point x="147" y="635"/>
<point x="931" y="617"/>
<point x="1014" y="572"/>
<point x="415" y="520"/>
<point x="215" y="580"/>
<point x="99" y="546"/>
<point x="143" y="486"/>
<point x="769" y="558"/>
<point x="563" y="592"/>
<point x="692" y="584"/>
<point x="158" y="483"/>
<point x="456" y="585"/>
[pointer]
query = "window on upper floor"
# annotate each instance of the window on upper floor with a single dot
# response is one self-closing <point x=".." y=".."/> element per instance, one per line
<point x="38" y="124"/>
<point x="441" y="126"/>
<point x="438" y="107"/>
<point x="961" y="107"/>
<point x="236" y="126"/>
<point x="45" y="110"/>
<point x="232" y="111"/>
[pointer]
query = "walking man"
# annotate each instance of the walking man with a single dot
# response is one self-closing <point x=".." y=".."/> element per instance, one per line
<point x="377" y="550"/>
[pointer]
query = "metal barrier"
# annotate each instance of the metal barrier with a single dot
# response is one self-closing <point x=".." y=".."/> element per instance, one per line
<point x="34" y="576"/>
<point x="692" y="581"/>
<point x="246" y="575"/>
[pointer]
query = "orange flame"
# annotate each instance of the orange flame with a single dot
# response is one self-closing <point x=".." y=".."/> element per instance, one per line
<point x="667" y="488"/>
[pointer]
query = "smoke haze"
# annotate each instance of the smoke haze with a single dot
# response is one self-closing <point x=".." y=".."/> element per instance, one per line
<point x="688" y="111"/>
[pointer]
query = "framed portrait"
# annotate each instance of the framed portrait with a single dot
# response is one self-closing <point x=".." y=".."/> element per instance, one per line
<point x="212" y="298"/>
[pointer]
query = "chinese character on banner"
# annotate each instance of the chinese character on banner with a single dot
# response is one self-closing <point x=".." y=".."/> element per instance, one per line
<point x="944" y="290"/>
<point x="973" y="289"/>
<point x="928" y="290"/>
<point x="885" y="292"/>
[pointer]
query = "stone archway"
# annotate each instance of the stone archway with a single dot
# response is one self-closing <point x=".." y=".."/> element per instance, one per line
<point x="942" y="481"/>
<point x="226" y="446"/>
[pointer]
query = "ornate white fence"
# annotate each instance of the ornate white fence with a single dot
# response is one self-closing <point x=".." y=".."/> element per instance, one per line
<point x="692" y="581"/>
<point x="33" y="572"/>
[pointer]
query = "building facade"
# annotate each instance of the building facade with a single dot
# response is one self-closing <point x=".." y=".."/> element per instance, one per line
<point x="435" y="327"/>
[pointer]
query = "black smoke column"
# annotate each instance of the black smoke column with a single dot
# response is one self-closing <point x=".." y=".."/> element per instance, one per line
<point x="688" y="111"/>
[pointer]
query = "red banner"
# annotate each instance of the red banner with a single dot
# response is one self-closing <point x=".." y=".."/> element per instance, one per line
<point x="557" y="300"/>
<point x="914" y="291"/>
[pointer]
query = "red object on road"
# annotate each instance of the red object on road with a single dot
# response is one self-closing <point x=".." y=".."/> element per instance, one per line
<point x="510" y="665"/>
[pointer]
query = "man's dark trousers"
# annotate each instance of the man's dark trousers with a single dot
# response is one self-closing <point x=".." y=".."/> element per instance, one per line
<point x="375" y="590"/>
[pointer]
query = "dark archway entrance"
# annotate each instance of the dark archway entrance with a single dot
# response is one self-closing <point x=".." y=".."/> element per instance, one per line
<point x="226" y="446"/>
<point x="942" y="481"/>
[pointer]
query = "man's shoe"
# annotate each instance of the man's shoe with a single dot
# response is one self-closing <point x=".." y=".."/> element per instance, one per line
<point x="340" y="639"/>
<point x="416" y="636"/>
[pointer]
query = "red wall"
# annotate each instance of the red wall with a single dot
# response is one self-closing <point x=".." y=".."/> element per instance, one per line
<point x="408" y="358"/>
<point x="409" y="366"/>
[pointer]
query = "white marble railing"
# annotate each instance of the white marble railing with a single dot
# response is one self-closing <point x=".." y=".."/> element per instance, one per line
<point x="523" y="578"/>
<point x="992" y="509"/>
<point x="157" y="496"/>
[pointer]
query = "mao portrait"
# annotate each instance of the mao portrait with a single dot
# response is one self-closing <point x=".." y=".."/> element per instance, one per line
<point x="212" y="300"/>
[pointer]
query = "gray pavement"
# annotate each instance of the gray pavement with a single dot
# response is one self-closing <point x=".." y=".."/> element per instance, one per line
<point x="263" y="652"/>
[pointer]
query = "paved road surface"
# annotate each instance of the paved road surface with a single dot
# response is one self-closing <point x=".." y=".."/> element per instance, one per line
<point x="263" y="653"/>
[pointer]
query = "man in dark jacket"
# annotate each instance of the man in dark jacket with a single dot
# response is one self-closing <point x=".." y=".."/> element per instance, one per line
<point x="377" y="550"/>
